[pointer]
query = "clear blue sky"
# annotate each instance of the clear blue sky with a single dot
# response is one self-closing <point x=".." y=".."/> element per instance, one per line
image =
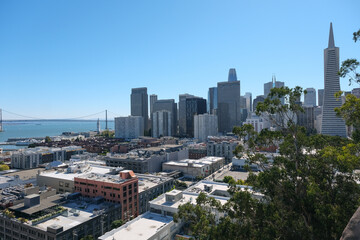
<point x="62" y="59"/>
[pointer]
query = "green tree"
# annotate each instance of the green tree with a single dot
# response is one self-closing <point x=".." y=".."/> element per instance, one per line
<point x="309" y="192"/>
<point x="228" y="179"/>
<point x="47" y="139"/>
<point x="87" y="237"/>
<point x="350" y="110"/>
<point x="4" y="167"/>
<point x="116" y="223"/>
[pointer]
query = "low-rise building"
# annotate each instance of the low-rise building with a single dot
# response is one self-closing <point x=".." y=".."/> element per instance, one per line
<point x="151" y="186"/>
<point x="55" y="217"/>
<point x="195" y="167"/>
<point x="197" y="151"/>
<point x="63" y="179"/>
<point x="222" y="148"/>
<point x="122" y="189"/>
<point x="147" y="160"/>
<point x="33" y="157"/>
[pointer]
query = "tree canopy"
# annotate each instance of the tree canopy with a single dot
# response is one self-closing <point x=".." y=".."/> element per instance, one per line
<point x="310" y="190"/>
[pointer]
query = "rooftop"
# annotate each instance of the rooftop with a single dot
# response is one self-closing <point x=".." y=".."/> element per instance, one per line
<point x="63" y="174"/>
<point x="77" y="212"/>
<point x="141" y="228"/>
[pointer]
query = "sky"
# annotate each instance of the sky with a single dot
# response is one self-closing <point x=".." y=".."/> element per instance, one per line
<point x="68" y="59"/>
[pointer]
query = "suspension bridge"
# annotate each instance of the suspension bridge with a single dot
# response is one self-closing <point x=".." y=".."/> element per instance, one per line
<point x="12" y="116"/>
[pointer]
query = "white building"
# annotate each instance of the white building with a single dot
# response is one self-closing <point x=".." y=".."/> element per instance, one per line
<point x="129" y="127"/>
<point x="205" y="125"/>
<point x="161" y="124"/>
<point x="221" y="148"/>
<point x="259" y="123"/>
<point x="195" y="167"/>
<point x="32" y="157"/>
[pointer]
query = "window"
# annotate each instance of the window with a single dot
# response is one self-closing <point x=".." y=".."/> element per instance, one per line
<point x="67" y="184"/>
<point x="61" y="183"/>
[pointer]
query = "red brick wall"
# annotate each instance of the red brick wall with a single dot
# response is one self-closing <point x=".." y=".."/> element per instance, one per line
<point x="125" y="193"/>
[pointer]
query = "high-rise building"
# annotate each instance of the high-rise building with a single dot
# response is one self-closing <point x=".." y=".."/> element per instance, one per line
<point x="153" y="99"/>
<point x="129" y="127"/>
<point x="182" y="113"/>
<point x="232" y="75"/>
<point x="212" y="100"/>
<point x="273" y="84"/>
<point x="248" y="101"/>
<point x="307" y="118"/>
<point x="139" y="104"/>
<point x="258" y="99"/>
<point x="228" y="106"/>
<point x="170" y="106"/>
<point x="331" y="124"/>
<point x="320" y="97"/>
<point x="310" y="97"/>
<point x="194" y="106"/>
<point x="161" y="123"/>
<point x="205" y="125"/>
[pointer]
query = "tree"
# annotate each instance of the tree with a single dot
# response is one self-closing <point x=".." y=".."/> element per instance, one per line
<point x="309" y="191"/>
<point x="350" y="110"/>
<point x="87" y="237"/>
<point x="116" y="224"/>
<point x="4" y="167"/>
<point x="47" y="139"/>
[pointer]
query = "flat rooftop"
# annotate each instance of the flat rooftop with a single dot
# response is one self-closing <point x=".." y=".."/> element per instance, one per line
<point x="141" y="228"/>
<point x="78" y="213"/>
<point x="103" y="178"/>
<point x="26" y="174"/>
<point x="60" y="174"/>
<point x="44" y="204"/>
<point x="149" y="181"/>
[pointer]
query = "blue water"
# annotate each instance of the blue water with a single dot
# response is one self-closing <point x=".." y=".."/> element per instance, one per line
<point x="27" y="129"/>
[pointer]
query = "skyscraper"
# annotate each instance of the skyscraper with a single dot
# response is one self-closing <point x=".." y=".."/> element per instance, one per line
<point x="257" y="100"/>
<point x="228" y="106"/>
<point x="212" y="100"/>
<point x="320" y="97"/>
<point x="182" y="113"/>
<point x="331" y="124"/>
<point x="139" y="104"/>
<point x="248" y="101"/>
<point x="310" y="97"/>
<point x="194" y="106"/>
<point x="273" y="84"/>
<point x="232" y="75"/>
<point x="153" y="98"/>
<point x="161" y="123"/>
<point x="170" y="106"/>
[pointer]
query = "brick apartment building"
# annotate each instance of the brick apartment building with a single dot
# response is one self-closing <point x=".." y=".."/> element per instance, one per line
<point x="121" y="189"/>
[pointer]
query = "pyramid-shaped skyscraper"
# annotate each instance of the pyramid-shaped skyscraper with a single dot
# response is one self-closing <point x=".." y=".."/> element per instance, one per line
<point x="331" y="124"/>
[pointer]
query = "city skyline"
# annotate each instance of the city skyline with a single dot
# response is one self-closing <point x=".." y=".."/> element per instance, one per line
<point x="78" y="58"/>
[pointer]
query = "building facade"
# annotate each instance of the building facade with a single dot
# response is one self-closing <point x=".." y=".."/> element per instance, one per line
<point x="139" y="104"/>
<point x="170" y="106"/>
<point x="212" y="100"/>
<point x="310" y="97"/>
<point x="194" y="106"/>
<point x="205" y="125"/>
<point x="161" y="124"/>
<point x="320" y="97"/>
<point x="129" y="127"/>
<point x="153" y="99"/>
<point x="228" y="106"/>
<point x="121" y="189"/>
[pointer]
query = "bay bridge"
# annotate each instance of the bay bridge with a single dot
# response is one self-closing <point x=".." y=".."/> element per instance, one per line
<point x="21" y="117"/>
